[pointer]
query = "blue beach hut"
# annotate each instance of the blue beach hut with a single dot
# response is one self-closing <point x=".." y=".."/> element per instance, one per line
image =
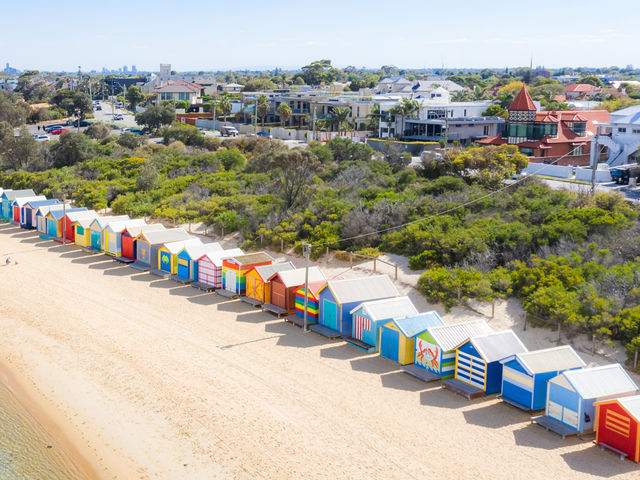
<point x="397" y="337"/>
<point x="6" y="201"/>
<point x="30" y="210"/>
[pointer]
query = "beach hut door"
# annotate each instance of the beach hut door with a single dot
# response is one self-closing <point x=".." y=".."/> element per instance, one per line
<point x="330" y="315"/>
<point x="183" y="268"/>
<point x="230" y="280"/>
<point x="389" y="340"/>
<point x="563" y="414"/>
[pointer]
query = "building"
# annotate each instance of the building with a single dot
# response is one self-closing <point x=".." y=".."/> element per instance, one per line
<point x="580" y="90"/>
<point x="559" y="137"/>
<point x="210" y="268"/>
<point x="618" y="426"/>
<point x="258" y="281"/>
<point x="621" y="136"/>
<point x="235" y="269"/>
<point x="178" y="90"/>
<point x="285" y="284"/>
<point x="397" y="337"/>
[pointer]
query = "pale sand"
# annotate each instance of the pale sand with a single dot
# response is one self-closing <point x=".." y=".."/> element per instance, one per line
<point x="150" y="379"/>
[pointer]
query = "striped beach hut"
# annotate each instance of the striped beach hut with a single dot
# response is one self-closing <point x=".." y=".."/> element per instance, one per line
<point x="285" y="284"/>
<point x="6" y="202"/>
<point x="258" y="286"/>
<point x="313" y="302"/>
<point x="97" y="228"/>
<point x="17" y="207"/>
<point x="368" y="317"/>
<point x="72" y="218"/>
<point x="56" y="226"/>
<point x="187" y="259"/>
<point x="113" y="235"/>
<point x="525" y="375"/>
<point x="148" y="244"/>
<point x="31" y="209"/>
<point x="571" y="397"/>
<point x="129" y="236"/>
<point x="339" y="297"/>
<point x="234" y="270"/>
<point x="168" y="255"/>
<point x="478" y="369"/>
<point x="209" y="267"/>
<point x="397" y="337"/>
<point x="617" y="426"/>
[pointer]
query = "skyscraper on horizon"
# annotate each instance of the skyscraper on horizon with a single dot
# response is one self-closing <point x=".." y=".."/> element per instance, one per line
<point x="134" y="69"/>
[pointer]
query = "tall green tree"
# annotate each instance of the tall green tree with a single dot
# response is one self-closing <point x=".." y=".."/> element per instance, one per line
<point x="340" y="116"/>
<point x="13" y="109"/>
<point x="71" y="148"/>
<point x="134" y="96"/>
<point x="225" y="105"/>
<point x="262" y="107"/>
<point x="284" y="112"/>
<point x="156" y="116"/>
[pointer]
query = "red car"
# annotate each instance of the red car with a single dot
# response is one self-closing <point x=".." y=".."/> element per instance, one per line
<point x="58" y="131"/>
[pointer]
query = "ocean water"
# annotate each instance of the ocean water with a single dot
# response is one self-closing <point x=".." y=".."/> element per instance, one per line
<point x="27" y="452"/>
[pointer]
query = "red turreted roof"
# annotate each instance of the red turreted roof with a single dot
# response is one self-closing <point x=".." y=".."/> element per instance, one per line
<point x="522" y="102"/>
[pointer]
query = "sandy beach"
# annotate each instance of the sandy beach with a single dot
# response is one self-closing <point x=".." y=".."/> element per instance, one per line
<point x="147" y="379"/>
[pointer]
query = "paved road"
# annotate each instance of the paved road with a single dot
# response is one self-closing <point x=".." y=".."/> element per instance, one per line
<point x="631" y="193"/>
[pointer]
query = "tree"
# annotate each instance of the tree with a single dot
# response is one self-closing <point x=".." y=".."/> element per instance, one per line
<point x="318" y="72"/>
<point x="591" y="80"/>
<point x="495" y="111"/>
<point x="294" y="170"/>
<point x="71" y="148"/>
<point x="98" y="131"/>
<point x="231" y="159"/>
<point x="131" y="140"/>
<point x="407" y="108"/>
<point x="374" y="119"/>
<point x="73" y="102"/>
<point x="344" y="150"/>
<point x="225" y="105"/>
<point x="19" y="152"/>
<point x="262" y="108"/>
<point x="12" y="109"/>
<point x="340" y="115"/>
<point x="284" y="112"/>
<point x="156" y="116"/>
<point x="462" y="96"/>
<point x="259" y="85"/>
<point x="134" y="96"/>
<point x="148" y="178"/>
<point x="490" y="165"/>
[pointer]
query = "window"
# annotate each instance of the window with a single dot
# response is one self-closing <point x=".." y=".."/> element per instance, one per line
<point x="166" y="96"/>
<point x="485" y="130"/>
<point x="432" y="114"/>
<point x="636" y="130"/>
<point x="183" y="96"/>
<point x="622" y="130"/>
<point x="576" y="151"/>
<point x="579" y="128"/>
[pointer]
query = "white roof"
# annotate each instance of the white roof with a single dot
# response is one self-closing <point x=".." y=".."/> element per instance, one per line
<point x="400" y="307"/>
<point x="20" y="201"/>
<point x="362" y="289"/>
<point x="165" y="236"/>
<point x="632" y="405"/>
<point x="176" y="247"/>
<point x="196" y="250"/>
<point x="549" y="360"/>
<point x="121" y="225"/>
<point x="295" y="278"/>
<point x="217" y="257"/>
<point x="82" y="214"/>
<point x="601" y="381"/>
<point x="449" y="337"/>
<point x="135" y="230"/>
<point x="102" y="222"/>
<point x="498" y="345"/>
<point x="267" y="271"/>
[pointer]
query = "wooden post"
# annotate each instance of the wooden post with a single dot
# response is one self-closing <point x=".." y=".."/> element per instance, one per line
<point x="635" y="360"/>
<point x="221" y="231"/>
<point x="350" y="260"/>
<point x="374" y="265"/>
<point x="524" y="329"/>
<point x="327" y="253"/>
<point x="282" y="244"/>
<point x="459" y="293"/>
<point x="396" y="271"/>
<point x="189" y="227"/>
<point x="493" y="307"/>
<point x="558" y="332"/>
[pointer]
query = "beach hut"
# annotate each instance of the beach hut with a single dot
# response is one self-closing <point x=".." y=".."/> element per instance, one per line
<point x="313" y="302"/>
<point x="258" y="287"/>
<point x="187" y="259"/>
<point x="6" y="201"/>
<point x="30" y="210"/>
<point x="617" y="426"/>
<point x="525" y="375"/>
<point x="72" y="217"/>
<point x="234" y="270"/>
<point x="368" y="317"/>
<point x="571" y="396"/>
<point x="168" y="255"/>
<point x="56" y="222"/>
<point x="97" y="228"/>
<point x="397" y="336"/>
<point x="209" y="267"/>
<point x="148" y="243"/>
<point x="285" y="284"/>
<point x="478" y="369"/>
<point x="82" y="230"/>
<point x="17" y="207"/>
<point x="129" y="235"/>
<point x="339" y="297"/>
<point x="113" y="235"/>
<point x="41" y="217"/>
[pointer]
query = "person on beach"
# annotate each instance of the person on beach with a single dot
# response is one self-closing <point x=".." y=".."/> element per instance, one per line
<point x="8" y="261"/>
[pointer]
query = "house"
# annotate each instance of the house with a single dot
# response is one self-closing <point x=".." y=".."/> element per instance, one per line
<point x="368" y="317"/>
<point x="97" y="227"/>
<point x="571" y="396"/>
<point x="235" y="269"/>
<point x="168" y="256"/>
<point x="7" y="198"/>
<point x="233" y="87"/>
<point x="17" y="207"/>
<point x="72" y="217"/>
<point x="560" y="137"/>
<point x="397" y="337"/>
<point x="435" y="352"/>
<point x="621" y="136"/>
<point x="29" y="210"/>
<point x="176" y="90"/>
<point x="617" y="426"/>
<point x="525" y="375"/>
<point x="338" y="297"/>
<point x="149" y="242"/>
<point x="113" y="232"/>
<point x="580" y="90"/>
<point x="284" y="285"/>
<point x="56" y="222"/>
<point x="128" y="238"/>
<point x="187" y="259"/>
<point x="478" y="369"/>
<point x="210" y="268"/>
<point x="258" y="286"/>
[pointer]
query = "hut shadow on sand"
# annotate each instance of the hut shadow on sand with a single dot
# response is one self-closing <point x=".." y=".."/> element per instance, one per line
<point x="122" y="271"/>
<point x="206" y="299"/>
<point x="235" y="307"/>
<point x="183" y="291"/>
<point x="255" y="317"/>
<point x="437" y="396"/>
<point x="495" y="415"/>
<point x="374" y="364"/>
<point x="402" y="381"/>
<point x="342" y="351"/>
<point x="598" y="463"/>
<point x="292" y="336"/>
<point x="89" y="259"/>
<point x="535" y="436"/>
<point x="143" y="277"/>
<point x="107" y="264"/>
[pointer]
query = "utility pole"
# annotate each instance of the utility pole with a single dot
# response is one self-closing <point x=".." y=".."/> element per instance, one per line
<point x="306" y="250"/>
<point x="314" y="121"/>
<point x="213" y="121"/>
<point x="595" y="151"/>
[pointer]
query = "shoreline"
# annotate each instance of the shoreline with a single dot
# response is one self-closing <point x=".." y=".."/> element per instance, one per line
<point x="61" y="432"/>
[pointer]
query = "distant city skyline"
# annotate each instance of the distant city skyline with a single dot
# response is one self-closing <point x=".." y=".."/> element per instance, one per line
<point x="289" y="35"/>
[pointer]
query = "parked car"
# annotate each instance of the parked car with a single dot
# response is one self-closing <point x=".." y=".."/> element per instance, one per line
<point x="48" y="128"/>
<point x="42" y="138"/>
<point x="264" y="134"/>
<point x="228" y="131"/>
<point x="98" y="107"/>
<point x="135" y="131"/>
<point x="58" y="131"/>
<point x="83" y="123"/>
<point x="118" y="116"/>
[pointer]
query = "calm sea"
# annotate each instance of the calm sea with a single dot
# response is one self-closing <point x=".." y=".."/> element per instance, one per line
<point x="27" y="452"/>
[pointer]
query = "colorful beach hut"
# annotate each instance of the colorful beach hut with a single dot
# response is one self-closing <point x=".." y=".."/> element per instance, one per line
<point x="82" y="230"/>
<point x="617" y="426"/>
<point x="113" y="235"/>
<point x="285" y="284"/>
<point x="148" y="243"/>
<point x="478" y="369"/>
<point x="168" y="255"/>
<point x="258" y="287"/>
<point x="17" y="207"/>
<point x="234" y="270"/>
<point x="525" y="375"/>
<point x="313" y="302"/>
<point x="72" y="217"/>
<point x="209" y="268"/>
<point x="187" y="259"/>
<point x="368" y="317"/>
<point x="30" y="210"/>
<point x="129" y="236"/>
<point x="55" y="221"/>
<point x="41" y="217"/>
<point x="6" y="202"/>
<point x="571" y="396"/>
<point x="397" y="336"/>
<point x="339" y="297"/>
<point x="97" y="228"/>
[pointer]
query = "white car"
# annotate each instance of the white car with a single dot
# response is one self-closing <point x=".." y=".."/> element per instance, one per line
<point x="124" y="130"/>
<point x="42" y="138"/>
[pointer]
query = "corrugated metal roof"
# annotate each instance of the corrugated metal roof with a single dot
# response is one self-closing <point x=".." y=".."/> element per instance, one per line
<point x="251" y="258"/>
<point x="412" y="326"/>
<point x="267" y="271"/>
<point x="217" y="257"/>
<point x="75" y="216"/>
<point x="45" y="209"/>
<point x="58" y="213"/>
<point x="195" y="251"/>
<point x="363" y="289"/>
<point x="176" y="247"/>
<point x="388" y="308"/>
<point x="498" y="345"/>
<point x="43" y="203"/>
<point x="135" y="230"/>
<point x="601" y="381"/>
<point x="449" y="337"/>
<point x="295" y="278"/>
<point x="165" y="236"/>
<point x="13" y="194"/>
<point x="102" y="222"/>
<point x="121" y="225"/>
<point x="632" y="405"/>
<point x="21" y="201"/>
<point x="550" y="359"/>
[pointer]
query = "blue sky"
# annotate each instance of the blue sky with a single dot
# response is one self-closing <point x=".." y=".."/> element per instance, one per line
<point x="216" y="35"/>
